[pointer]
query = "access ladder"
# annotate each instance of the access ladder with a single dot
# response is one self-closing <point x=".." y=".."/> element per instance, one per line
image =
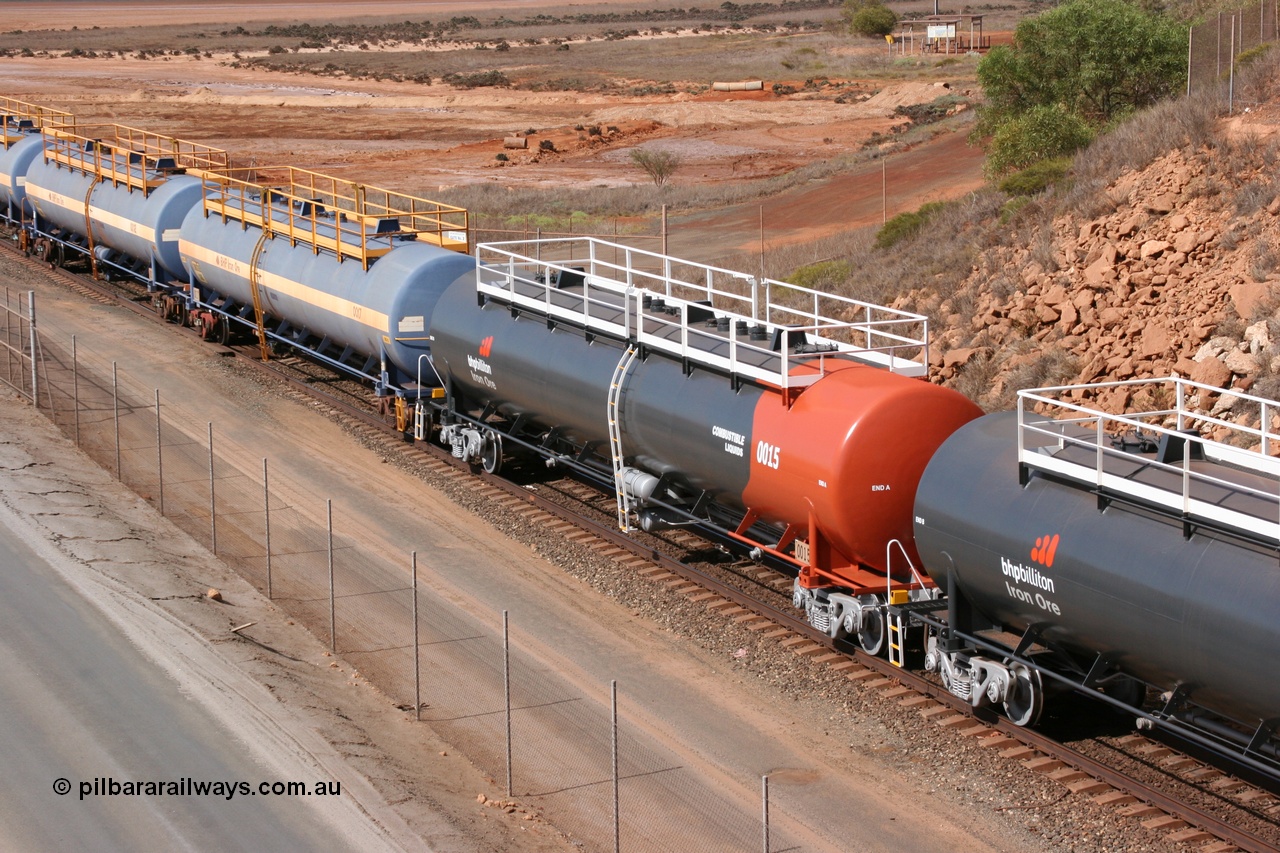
<point x="615" y="435"/>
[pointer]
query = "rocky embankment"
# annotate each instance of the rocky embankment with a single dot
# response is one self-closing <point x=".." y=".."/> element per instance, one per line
<point x="1174" y="276"/>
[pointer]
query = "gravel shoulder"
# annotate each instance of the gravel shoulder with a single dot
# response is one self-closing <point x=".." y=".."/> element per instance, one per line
<point x="272" y="684"/>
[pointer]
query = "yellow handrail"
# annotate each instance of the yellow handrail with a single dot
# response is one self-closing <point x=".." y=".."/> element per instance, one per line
<point x="331" y="214"/>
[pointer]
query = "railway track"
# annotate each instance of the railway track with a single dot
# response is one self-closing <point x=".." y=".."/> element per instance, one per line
<point x="1190" y="802"/>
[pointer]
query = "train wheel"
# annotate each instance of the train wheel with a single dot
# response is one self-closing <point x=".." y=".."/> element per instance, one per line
<point x="491" y="453"/>
<point x="871" y="637"/>
<point x="222" y="331"/>
<point x="1024" y="706"/>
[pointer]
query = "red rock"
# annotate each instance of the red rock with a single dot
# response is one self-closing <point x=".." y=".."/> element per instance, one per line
<point x="1211" y="372"/>
<point x="1248" y="298"/>
<point x="1115" y="400"/>
<point x="1069" y="316"/>
<point x="1111" y="316"/>
<point x="1083" y="299"/>
<point x="1152" y="248"/>
<point x="1156" y="341"/>
<point x="1200" y="327"/>
<point x="1047" y="314"/>
<point x="1186" y="242"/>
<point x="1092" y="369"/>
<point x="1055" y="295"/>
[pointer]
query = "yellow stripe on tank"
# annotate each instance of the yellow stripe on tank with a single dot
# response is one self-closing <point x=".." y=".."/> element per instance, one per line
<point x="309" y="295"/>
<point x="39" y="193"/>
<point x="97" y="214"/>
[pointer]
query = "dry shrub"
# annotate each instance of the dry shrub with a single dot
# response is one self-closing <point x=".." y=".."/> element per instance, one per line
<point x="1254" y="196"/>
<point x="1256" y="79"/>
<point x="1136" y="143"/>
<point x="1044" y="250"/>
<point x="1262" y="260"/>
<point x="1049" y="366"/>
<point x="994" y="380"/>
<point x="1266" y="382"/>
<point x="975" y="379"/>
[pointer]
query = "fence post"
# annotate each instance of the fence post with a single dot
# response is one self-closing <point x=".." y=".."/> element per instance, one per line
<point x="617" y="813"/>
<point x="31" y="319"/>
<point x="417" y="671"/>
<point x="333" y="622"/>
<point x="1231" y="67"/>
<point x="266" y="507"/>
<point x="115" y="407"/>
<point x="159" y="457"/>
<point x="1191" y="38"/>
<point x="1218" y="46"/>
<point x="8" y="340"/>
<point x="213" y="500"/>
<point x="75" y="387"/>
<point x="764" y="797"/>
<point x="506" y="689"/>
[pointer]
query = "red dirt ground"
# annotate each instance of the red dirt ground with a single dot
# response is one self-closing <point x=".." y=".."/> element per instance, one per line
<point x="423" y="139"/>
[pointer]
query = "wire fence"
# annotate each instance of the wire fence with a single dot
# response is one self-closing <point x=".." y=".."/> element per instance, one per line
<point x="607" y="786"/>
<point x="1216" y="44"/>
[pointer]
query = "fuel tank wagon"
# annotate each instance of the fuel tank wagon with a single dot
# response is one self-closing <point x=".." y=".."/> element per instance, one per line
<point x="825" y="451"/>
<point x="312" y="258"/>
<point x="1136" y="553"/>
<point x="21" y="142"/>
<point x="121" y="190"/>
<point x="22" y="146"/>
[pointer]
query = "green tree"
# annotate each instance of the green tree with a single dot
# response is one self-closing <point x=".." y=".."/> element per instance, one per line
<point x="1038" y="134"/>
<point x="1096" y="59"/>
<point x="869" y="18"/>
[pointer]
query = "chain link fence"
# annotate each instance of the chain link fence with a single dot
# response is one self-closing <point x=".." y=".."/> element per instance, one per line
<point x="607" y="786"/>
<point x="1216" y="44"/>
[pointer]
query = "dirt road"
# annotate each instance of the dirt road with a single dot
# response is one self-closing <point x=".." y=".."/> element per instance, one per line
<point x="941" y="168"/>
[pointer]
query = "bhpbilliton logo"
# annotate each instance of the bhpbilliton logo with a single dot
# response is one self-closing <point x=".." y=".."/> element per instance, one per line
<point x="1046" y="547"/>
<point x="486" y="346"/>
